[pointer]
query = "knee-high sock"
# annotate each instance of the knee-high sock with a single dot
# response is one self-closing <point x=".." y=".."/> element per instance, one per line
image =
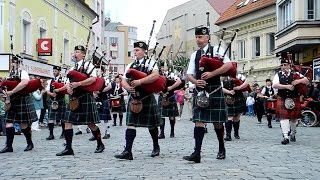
<point x="107" y="126"/>
<point x="120" y="117"/>
<point x="97" y="135"/>
<point x="154" y="135"/>
<point x="236" y="126"/>
<point x="130" y="135"/>
<point x="51" y="126"/>
<point x="269" y="118"/>
<point x="220" y="134"/>
<point x="285" y="126"/>
<point x="114" y="118"/>
<point x="10" y="136"/>
<point x="172" y="123"/>
<point x="27" y="133"/>
<point x="198" y="137"/>
<point x="68" y="135"/>
<point x="162" y="125"/>
<point x="293" y="128"/>
<point x="228" y="127"/>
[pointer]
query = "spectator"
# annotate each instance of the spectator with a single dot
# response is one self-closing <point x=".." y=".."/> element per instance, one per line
<point x="37" y="98"/>
<point x="250" y="104"/>
<point x="2" y="113"/>
<point x="180" y="100"/>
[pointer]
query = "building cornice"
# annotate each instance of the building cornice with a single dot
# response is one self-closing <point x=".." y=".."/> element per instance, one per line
<point x="296" y="25"/>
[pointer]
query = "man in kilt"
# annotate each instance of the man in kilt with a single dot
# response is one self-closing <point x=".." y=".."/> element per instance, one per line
<point x="210" y="82"/>
<point x="236" y="103"/>
<point x="117" y="100"/>
<point x="102" y="101"/>
<point x="270" y="93"/>
<point x="149" y="116"/>
<point x="22" y="110"/>
<point x="82" y="109"/>
<point x="55" y="113"/>
<point x="167" y="101"/>
<point x="288" y="101"/>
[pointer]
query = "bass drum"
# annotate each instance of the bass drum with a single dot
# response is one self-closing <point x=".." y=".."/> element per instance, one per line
<point x="308" y="118"/>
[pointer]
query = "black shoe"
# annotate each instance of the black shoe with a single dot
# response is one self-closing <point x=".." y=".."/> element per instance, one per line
<point x="6" y="149"/>
<point x="18" y="133"/>
<point x="106" y="136"/>
<point x="161" y="136"/>
<point x="51" y="137"/>
<point x="29" y="147"/>
<point x="61" y="136"/>
<point x="237" y="136"/>
<point x="92" y="138"/>
<point x="293" y="138"/>
<point x="78" y="132"/>
<point x="88" y="130"/>
<point x="120" y="124"/>
<point x="155" y="152"/>
<point x="125" y="155"/>
<point x="221" y="154"/>
<point x="228" y="137"/>
<point x="205" y="130"/>
<point x="114" y="124"/>
<point x="65" y="152"/>
<point x="193" y="157"/>
<point x="99" y="149"/>
<point x="285" y="141"/>
<point x="269" y="125"/>
<point x="171" y="135"/>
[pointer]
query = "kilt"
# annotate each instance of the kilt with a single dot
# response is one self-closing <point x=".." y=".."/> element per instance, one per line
<point x="57" y="114"/>
<point x="284" y="113"/>
<point x="216" y="112"/>
<point x="86" y="113"/>
<point x="120" y="109"/>
<point x="104" y="111"/>
<point x="238" y="107"/>
<point x="149" y="116"/>
<point x="169" y="111"/>
<point x="22" y="110"/>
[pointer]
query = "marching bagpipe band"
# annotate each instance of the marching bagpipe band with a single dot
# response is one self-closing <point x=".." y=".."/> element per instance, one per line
<point x="133" y="74"/>
<point x="14" y="77"/>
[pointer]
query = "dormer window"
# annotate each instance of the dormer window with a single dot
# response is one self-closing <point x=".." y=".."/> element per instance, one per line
<point x="66" y="7"/>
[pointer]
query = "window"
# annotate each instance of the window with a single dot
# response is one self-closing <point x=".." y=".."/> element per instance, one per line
<point x="98" y="41"/>
<point x="26" y="33"/>
<point x="98" y="7"/>
<point x="105" y="40"/>
<point x="129" y="53"/>
<point x="242" y="49"/>
<point x="285" y="14"/>
<point x="256" y="47"/>
<point x="42" y="29"/>
<point x="66" y="7"/>
<point x="270" y="44"/>
<point x="82" y="18"/>
<point x="113" y="40"/>
<point x="311" y="10"/>
<point x="66" y="53"/>
<point x="113" y="54"/>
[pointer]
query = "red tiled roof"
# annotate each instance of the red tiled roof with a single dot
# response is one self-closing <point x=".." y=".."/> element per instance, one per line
<point x="220" y="5"/>
<point x="234" y="12"/>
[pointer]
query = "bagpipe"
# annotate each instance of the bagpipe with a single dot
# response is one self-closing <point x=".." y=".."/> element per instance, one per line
<point x="306" y="71"/>
<point x="14" y="77"/>
<point x="211" y="62"/>
<point x="160" y="83"/>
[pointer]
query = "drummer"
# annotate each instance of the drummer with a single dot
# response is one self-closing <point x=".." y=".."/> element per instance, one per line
<point x="117" y="102"/>
<point x="270" y="93"/>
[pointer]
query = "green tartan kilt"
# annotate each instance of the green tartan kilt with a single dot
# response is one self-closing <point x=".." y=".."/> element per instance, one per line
<point x="239" y="105"/>
<point x="149" y="116"/>
<point x="86" y="113"/>
<point x="169" y="111"/>
<point x="216" y="112"/>
<point x="22" y="110"/>
<point x="57" y="114"/>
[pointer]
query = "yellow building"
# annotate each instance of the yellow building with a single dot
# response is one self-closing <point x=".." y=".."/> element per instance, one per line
<point x="66" y="22"/>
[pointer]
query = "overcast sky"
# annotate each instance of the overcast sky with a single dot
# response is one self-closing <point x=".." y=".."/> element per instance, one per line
<point x="140" y="13"/>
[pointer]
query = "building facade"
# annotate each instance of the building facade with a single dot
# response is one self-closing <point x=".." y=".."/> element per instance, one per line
<point x="177" y="29"/>
<point x="298" y="30"/>
<point x="253" y="47"/>
<point x="65" y="22"/>
<point x="118" y="41"/>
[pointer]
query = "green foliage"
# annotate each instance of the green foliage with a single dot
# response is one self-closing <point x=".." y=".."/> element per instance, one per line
<point x="180" y="64"/>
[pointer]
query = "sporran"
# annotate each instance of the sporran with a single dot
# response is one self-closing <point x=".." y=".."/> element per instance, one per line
<point x="73" y="103"/>
<point x="289" y="103"/>
<point x="135" y="106"/>
<point x="202" y="99"/>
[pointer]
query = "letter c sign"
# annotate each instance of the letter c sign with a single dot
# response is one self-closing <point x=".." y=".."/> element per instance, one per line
<point x="44" y="47"/>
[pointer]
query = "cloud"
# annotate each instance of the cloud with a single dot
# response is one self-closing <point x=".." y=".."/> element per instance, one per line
<point x="141" y="13"/>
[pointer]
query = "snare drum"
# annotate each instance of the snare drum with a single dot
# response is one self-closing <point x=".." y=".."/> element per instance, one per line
<point x="271" y="104"/>
<point x="115" y="101"/>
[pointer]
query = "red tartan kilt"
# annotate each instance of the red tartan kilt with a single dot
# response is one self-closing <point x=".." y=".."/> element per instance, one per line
<point x="284" y="113"/>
